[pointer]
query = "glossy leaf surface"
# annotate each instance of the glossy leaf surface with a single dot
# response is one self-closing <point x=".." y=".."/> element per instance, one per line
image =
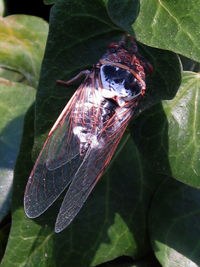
<point x="174" y="237"/>
<point x="171" y="25"/>
<point x="11" y="121"/>
<point x="113" y="222"/>
<point x="19" y="65"/>
<point x="2" y="7"/>
<point x="172" y="145"/>
<point x="22" y="45"/>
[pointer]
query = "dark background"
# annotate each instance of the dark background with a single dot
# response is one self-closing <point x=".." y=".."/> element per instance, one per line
<point x="30" y="7"/>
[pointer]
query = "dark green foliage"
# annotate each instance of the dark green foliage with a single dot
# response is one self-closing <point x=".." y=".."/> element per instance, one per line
<point x="138" y="207"/>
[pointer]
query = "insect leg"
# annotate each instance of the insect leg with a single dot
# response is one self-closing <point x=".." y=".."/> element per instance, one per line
<point x="83" y="72"/>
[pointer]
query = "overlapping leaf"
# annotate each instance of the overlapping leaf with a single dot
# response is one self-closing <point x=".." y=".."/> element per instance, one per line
<point x="2" y="8"/>
<point x="20" y="39"/>
<point x="171" y="25"/>
<point x="113" y="221"/>
<point x="174" y="224"/>
<point x="109" y="228"/>
<point x="22" y="43"/>
<point x="123" y="13"/>
<point x="168" y="135"/>
<point x="81" y="46"/>
<point x="11" y="121"/>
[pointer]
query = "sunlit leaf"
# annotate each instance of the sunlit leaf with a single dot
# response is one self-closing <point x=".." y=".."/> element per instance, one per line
<point x="174" y="224"/>
<point x="22" y="43"/>
<point x="171" y="25"/>
<point x="114" y="220"/>
<point x="169" y="135"/>
<point x="15" y="98"/>
<point x="2" y="7"/>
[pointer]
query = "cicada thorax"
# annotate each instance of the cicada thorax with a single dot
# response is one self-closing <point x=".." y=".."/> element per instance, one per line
<point x="125" y="66"/>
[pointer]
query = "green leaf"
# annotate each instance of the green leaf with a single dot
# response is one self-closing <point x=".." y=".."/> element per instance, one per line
<point x="112" y="222"/>
<point x="18" y="225"/>
<point x="165" y="80"/>
<point x="89" y="31"/>
<point x="184" y="130"/>
<point x="2" y="7"/>
<point x="123" y="13"/>
<point x="11" y="75"/>
<point x="22" y="45"/>
<point x="174" y="224"/>
<point x="171" y="25"/>
<point x="146" y="261"/>
<point x="190" y="65"/>
<point x="15" y="98"/>
<point x="168" y="135"/>
<point x="21" y="50"/>
<point x="87" y="46"/>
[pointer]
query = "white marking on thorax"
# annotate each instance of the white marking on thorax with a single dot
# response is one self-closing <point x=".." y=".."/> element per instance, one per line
<point x="111" y="88"/>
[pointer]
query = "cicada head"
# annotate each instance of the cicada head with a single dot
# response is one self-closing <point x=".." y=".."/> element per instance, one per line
<point x="129" y="57"/>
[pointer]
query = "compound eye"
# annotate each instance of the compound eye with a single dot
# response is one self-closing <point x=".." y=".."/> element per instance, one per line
<point x="132" y="84"/>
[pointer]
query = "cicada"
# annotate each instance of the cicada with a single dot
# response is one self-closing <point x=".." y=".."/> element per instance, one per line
<point x="85" y="136"/>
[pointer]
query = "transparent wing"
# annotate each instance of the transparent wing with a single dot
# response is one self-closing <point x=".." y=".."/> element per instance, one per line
<point x="76" y="157"/>
<point x="59" y="158"/>
<point x="95" y="162"/>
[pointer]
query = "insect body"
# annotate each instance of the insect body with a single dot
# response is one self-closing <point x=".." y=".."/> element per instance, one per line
<point x="85" y="136"/>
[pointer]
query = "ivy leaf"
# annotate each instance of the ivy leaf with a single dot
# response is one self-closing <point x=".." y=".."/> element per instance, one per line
<point x="168" y="135"/>
<point x="2" y="7"/>
<point x="15" y="98"/>
<point x="87" y="39"/>
<point x="190" y="65"/>
<point x="165" y="80"/>
<point x="174" y="224"/>
<point x="18" y="226"/>
<point x="22" y="45"/>
<point x="184" y="130"/>
<point x="115" y="214"/>
<point x="146" y="261"/>
<point x="123" y="13"/>
<point x="21" y="38"/>
<point x="112" y="221"/>
<point x="11" y="75"/>
<point x="170" y="25"/>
